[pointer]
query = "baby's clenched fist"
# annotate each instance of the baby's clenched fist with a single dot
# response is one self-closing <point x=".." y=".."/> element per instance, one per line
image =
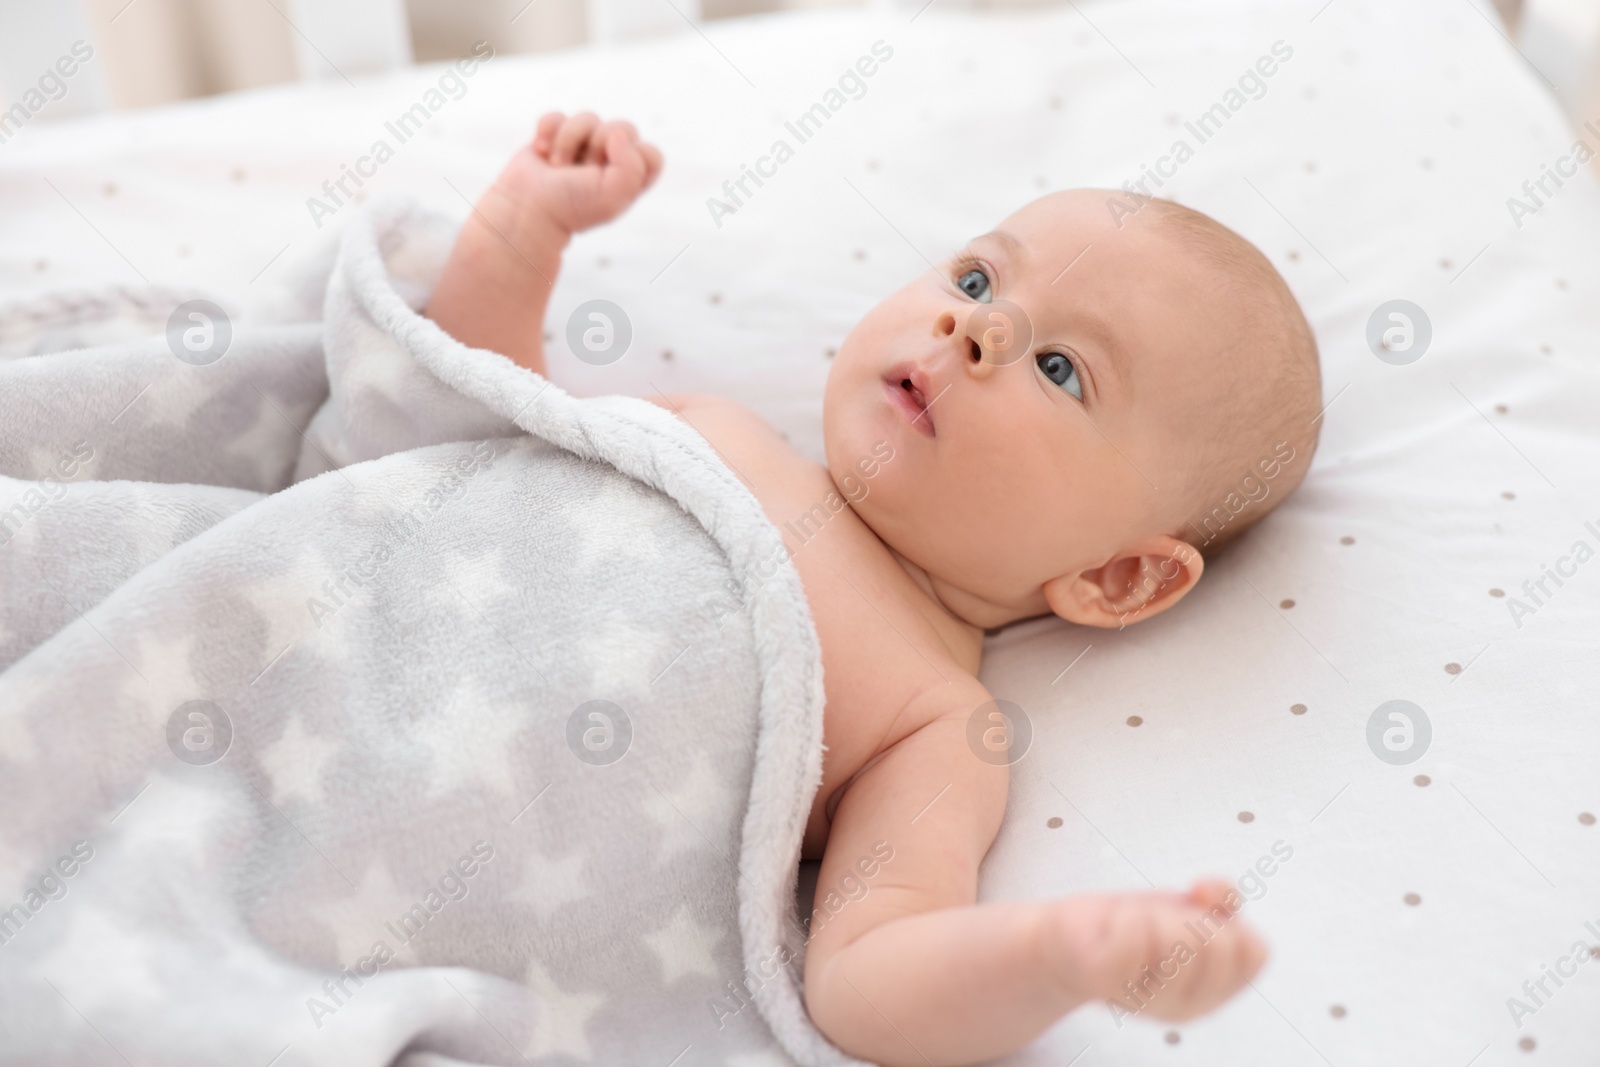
<point x="577" y="172"/>
<point x="1172" y="955"/>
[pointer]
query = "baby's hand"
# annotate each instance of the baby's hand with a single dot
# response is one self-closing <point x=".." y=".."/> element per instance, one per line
<point x="578" y="172"/>
<point x="1172" y="955"/>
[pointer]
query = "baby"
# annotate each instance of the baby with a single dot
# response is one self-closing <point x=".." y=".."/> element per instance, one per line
<point x="1058" y="403"/>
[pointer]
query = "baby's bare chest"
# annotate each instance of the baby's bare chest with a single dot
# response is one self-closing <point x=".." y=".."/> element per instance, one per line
<point x="879" y="632"/>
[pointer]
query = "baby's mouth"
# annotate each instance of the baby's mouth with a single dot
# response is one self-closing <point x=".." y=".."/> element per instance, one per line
<point x="916" y="394"/>
<point x="906" y="394"/>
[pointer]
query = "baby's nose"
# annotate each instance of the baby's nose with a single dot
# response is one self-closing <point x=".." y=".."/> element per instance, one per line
<point x="945" y="326"/>
<point x="997" y="334"/>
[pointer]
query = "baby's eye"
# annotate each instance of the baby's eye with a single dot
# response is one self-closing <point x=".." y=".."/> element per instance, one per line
<point x="1059" y="369"/>
<point x="975" y="284"/>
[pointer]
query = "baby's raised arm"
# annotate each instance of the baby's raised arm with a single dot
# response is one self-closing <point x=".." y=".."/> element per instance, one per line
<point x="915" y="973"/>
<point x="577" y="172"/>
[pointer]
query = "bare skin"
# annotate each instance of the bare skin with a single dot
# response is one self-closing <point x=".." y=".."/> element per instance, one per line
<point x="996" y="493"/>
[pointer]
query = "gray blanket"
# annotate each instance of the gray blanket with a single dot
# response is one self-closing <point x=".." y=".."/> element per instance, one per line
<point x="367" y="699"/>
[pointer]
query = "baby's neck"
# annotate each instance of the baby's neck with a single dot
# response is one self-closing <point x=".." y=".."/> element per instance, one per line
<point x="957" y="614"/>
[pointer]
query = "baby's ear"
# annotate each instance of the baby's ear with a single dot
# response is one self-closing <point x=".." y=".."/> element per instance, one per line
<point x="1141" y="580"/>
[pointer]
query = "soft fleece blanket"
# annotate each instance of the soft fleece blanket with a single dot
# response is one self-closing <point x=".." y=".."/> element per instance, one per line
<point x="367" y="699"/>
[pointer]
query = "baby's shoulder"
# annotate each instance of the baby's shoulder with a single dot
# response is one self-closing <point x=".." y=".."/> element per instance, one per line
<point x="761" y="456"/>
<point x="881" y="633"/>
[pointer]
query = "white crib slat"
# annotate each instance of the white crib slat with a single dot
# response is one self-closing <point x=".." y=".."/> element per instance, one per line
<point x="620" y="20"/>
<point x="34" y="37"/>
<point x="342" y="38"/>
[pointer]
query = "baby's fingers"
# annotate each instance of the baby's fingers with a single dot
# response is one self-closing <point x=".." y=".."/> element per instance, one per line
<point x="597" y="148"/>
<point x="544" y="137"/>
<point x="627" y="172"/>
<point x="652" y="163"/>
<point x="1219" y="969"/>
<point x="572" y="136"/>
<point x="1213" y="893"/>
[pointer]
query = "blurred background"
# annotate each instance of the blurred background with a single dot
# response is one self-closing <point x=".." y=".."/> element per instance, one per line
<point x="155" y="52"/>
<point x="159" y="51"/>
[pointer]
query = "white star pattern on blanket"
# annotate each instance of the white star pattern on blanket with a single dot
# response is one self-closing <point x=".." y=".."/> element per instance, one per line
<point x="547" y="883"/>
<point x="690" y="812"/>
<point x="559" y="1028"/>
<point x="684" y="947"/>
<point x="468" y="736"/>
<point x="295" y="762"/>
<point x="471" y="595"/>
<point x="161" y="675"/>
<point x="357" y="919"/>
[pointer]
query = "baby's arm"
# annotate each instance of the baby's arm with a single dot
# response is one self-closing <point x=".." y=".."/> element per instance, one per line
<point x="915" y="973"/>
<point x="578" y="172"/>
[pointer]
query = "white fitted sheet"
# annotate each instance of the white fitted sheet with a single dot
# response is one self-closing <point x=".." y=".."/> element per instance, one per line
<point x="1376" y="166"/>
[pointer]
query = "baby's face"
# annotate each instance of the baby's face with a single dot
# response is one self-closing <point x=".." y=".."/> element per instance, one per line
<point x="1014" y="465"/>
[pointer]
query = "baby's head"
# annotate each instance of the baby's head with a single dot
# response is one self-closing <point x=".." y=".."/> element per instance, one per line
<point x="1168" y="398"/>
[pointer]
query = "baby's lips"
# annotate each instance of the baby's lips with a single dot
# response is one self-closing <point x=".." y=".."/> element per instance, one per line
<point x="1001" y="330"/>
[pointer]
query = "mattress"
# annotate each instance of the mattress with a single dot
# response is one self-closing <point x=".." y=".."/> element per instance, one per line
<point x="1419" y="879"/>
